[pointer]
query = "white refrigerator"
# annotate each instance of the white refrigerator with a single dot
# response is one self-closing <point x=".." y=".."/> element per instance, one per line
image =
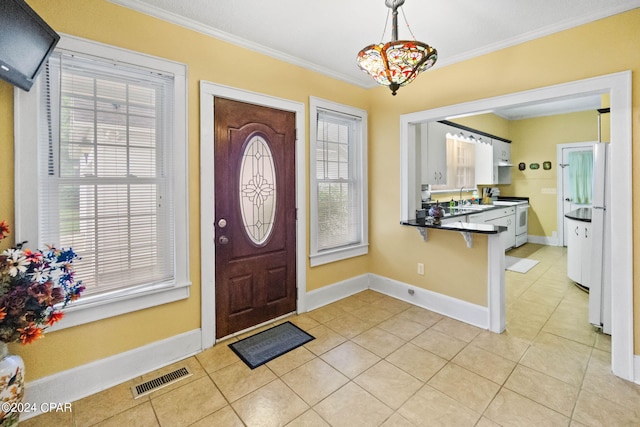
<point x="600" y="289"/>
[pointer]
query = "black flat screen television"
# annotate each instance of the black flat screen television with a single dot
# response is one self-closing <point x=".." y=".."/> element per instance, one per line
<point x="26" y="41"/>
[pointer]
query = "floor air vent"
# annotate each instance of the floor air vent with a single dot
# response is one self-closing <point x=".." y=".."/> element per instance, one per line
<point x="160" y="382"/>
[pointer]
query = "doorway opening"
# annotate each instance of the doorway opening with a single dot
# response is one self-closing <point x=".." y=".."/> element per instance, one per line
<point x="571" y="194"/>
<point x="618" y="87"/>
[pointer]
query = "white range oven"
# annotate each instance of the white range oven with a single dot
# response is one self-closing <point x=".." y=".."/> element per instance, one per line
<point x="522" y="217"/>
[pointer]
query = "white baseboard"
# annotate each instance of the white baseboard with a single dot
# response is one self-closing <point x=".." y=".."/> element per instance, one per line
<point x="336" y="291"/>
<point x="85" y="380"/>
<point x="473" y="314"/>
<point x="544" y="240"/>
<point x="457" y="309"/>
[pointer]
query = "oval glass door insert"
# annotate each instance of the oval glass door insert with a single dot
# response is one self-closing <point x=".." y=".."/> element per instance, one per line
<point x="257" y="190"/>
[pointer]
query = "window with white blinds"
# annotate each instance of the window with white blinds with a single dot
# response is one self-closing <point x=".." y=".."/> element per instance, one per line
<point x="110" y="170"/>
<point x="338" y="182"/>
<point x="106" y="176"/>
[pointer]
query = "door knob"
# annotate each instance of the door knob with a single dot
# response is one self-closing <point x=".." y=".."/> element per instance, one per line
<point x="222" y="223"/>
<point x="223" y="240"/>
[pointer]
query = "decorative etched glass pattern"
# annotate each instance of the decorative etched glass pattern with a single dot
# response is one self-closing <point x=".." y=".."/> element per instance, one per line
<point x="257" y="190"/>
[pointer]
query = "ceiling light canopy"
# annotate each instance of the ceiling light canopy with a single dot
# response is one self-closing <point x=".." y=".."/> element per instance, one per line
<point x="398" y="62"/>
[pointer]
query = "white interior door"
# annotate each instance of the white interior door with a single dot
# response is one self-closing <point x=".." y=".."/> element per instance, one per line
<point x="568" y="201"/>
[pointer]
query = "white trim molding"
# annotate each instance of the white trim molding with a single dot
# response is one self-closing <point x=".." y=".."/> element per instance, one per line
<point x="458" y="309"/>
<point x="74" y="384"/>
<point x="208" y="91"/>
<point x="472" y="314"/>
<point x="544" y="240"/>
<point x="336" y="291"/>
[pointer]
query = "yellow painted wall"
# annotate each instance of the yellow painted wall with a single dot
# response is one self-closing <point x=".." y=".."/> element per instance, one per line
<point x="559" y="58"/>
<point x="210" y="60"/>
<point x="535" y="141"/>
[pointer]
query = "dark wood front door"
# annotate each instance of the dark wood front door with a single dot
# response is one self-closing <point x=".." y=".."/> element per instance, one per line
<point x="255" y="214"/>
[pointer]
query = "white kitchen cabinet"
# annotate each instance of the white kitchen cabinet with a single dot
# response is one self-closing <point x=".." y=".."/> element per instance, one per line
<point x="505" y="216"/>
<point x="486" y="169"/>
<point x="450" y="220"/>
<point x="476" y="218"/>
<point x="501" y="151"/>
<point x="508" y="237"/>
<point x="433" y="139"/>
<point x="491" y="158"/>
<point x="502" y="158"/>
<point x="579" y="251"/>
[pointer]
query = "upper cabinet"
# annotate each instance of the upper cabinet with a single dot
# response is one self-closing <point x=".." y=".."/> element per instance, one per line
<point x="433" y="142"/>
<point x="501" y="152"/>
<point x="486" y="172"/>
<point x="493" y="162"/>
<point x="491" y="155"/>
<point x="502" y="160"/>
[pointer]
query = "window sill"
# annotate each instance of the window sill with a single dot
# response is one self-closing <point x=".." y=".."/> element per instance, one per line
<point x="97" y="307"/>
<point x="338" y="254"/>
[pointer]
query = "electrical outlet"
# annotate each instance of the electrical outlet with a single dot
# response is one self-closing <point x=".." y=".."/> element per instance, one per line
<point x="421" y="269"/>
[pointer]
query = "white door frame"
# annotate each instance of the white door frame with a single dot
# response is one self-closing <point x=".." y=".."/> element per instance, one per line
<point x="618" y="86"/>
<point x="560" y="184"/>
<point x="208" y="91"/>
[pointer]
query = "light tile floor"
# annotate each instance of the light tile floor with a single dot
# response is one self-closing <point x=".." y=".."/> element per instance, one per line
<point x="378" y="361"/>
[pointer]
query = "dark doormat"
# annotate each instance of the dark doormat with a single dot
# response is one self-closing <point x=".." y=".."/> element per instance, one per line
<point x="264" y="346"/>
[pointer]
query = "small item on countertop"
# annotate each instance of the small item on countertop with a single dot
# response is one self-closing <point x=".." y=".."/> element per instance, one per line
<point x="436" y="212"/>
<point x="452" y="204"/>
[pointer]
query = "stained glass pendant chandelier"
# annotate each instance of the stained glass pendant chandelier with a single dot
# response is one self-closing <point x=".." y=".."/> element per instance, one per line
<point x="398" y="62"/>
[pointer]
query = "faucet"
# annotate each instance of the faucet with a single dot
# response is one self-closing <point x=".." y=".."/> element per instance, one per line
<point x="460" y="201"/>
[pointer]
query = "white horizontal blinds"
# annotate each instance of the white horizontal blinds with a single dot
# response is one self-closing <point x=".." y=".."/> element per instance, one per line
<point x="107" y="174"/>
<point x="461" y="163"/>
<point x="338" y="186"/>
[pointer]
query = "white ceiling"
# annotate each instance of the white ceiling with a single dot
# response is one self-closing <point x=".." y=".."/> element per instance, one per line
<point x="326" y="35"/>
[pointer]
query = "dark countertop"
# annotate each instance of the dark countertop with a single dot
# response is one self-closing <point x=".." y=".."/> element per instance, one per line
<point x="459" y="226"/>
<point x="513" y="199"/>
<point x="580" y="214"/>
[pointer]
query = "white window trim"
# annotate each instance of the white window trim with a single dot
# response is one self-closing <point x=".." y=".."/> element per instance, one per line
<point x="96" y="307"/>
<point x="362" y="248"/>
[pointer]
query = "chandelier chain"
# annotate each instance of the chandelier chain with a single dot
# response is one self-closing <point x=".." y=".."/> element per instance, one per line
<point x="407" y="22"/>
<point x="386" y="22"/>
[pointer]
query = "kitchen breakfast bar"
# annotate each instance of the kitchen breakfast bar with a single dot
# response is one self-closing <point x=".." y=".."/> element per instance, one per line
<point x="495" y="320"/>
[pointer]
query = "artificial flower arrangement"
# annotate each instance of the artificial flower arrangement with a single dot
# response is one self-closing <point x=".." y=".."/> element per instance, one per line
<point x="34" y="288"/>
